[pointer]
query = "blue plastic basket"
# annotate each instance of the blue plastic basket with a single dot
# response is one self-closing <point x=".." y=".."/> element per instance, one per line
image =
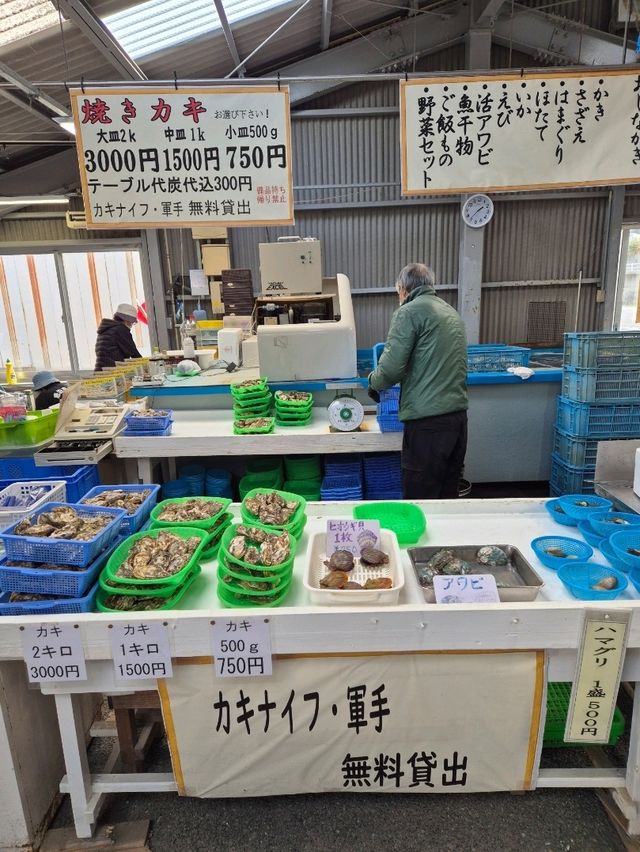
<point x="495" y="357"/>
<point x="602" y="349"/>
<point x="600" y="385"/>
<point x="578" y="452"/>
<point x="622" y="541"/>
<point x="148" y="424"/>
<point x="390" y="424"/>
<point x="620" y="420"/>
<point x="377" y="352"/>
<point x="567" y="479"/>
<point x="560" y="517"/>
<point x="571" y="504"/>
<point x="47" y="582"/>
<point x="606" y="523"/>
<point x="634" y="578"/>
<point x="131" y="523"/>
<point x="63" y="551"/>
<point x="579" y="577"/>
<point x="79" y="478"/>
<point x="592" y="538"/>
<point x="64" y="606"/>
<point x="147" y="433"/>
<point x="612" y="557"/>
<point x="573" y="547"/>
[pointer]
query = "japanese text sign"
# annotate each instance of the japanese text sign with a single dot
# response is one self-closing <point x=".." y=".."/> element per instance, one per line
<point x="595" y="687"/>
<point x="241" y="647"/>
<point x="161" y="158"/>
<point x="466" y="588"/>
<point x="343" y="534"/>
<point x="140" y="650"/>
<point x="512" y="131"/>
<point x="53" y="653"/>
<point x="386" y="723"/>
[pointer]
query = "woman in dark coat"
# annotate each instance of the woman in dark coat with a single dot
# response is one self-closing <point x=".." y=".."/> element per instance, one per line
<point x="115" y="341"/>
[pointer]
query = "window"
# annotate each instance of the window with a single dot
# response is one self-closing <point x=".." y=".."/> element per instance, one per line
<point x="53" y="303"/>
<point x="627" y="301"/>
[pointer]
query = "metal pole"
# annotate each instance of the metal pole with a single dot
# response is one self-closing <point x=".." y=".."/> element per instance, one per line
<point x="626" y="30"/>
<point x="575" y="327"/>
<point x="66" y="311"/>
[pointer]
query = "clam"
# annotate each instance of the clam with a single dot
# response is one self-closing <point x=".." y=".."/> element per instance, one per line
<point x="369" y="556"/>
<point x="335" y="580"/>
<point x="379" y="583"/>
<point x="340" y="560"/>
<point x="607" y="584"/>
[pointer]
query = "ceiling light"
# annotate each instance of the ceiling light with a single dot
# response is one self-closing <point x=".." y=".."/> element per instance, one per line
<point x="23" y="200"/>
<point x="66" y="123"/>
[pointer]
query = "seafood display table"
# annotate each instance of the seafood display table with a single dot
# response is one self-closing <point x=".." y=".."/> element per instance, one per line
<point x="552" y="623"/>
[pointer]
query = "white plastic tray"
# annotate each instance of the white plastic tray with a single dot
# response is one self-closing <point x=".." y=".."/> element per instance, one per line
<point x="315" y="569"/>
<point x="57" y="494"/>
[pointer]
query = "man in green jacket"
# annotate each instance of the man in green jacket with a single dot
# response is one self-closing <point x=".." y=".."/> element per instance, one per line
<point x="426" y="352"/>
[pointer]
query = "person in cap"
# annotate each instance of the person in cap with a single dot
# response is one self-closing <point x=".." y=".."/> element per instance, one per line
<point x="47" y="389"/>
<point x="115" y="341"/>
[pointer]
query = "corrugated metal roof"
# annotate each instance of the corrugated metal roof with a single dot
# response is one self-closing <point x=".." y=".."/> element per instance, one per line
<point x="21" y="18"/>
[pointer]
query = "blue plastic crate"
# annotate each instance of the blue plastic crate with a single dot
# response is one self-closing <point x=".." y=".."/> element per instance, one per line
<point x="598" y="421"/>
<point x="492" y="358"/>
<point x="79" y="478"/>
<point x="63" y="551"/>
<point x="149" y="424"/>
<point x="377" y="352"/>
<point x="147" y="433"/>
<point x="390" y="424"/>
<point x="567" y="479"/>
<point x="602" y="349"/>
<point x="131" y="523"/>
<point x="579" y="452"/>
<point x="64" y="606"/>
<point x="71" y="583"/>
<point x="601" y="385"/>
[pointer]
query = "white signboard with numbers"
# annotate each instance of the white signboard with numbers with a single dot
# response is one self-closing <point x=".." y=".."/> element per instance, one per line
<point x="162" y="158"/>
<point x="53" y="653"/>
<point x="141" y="650"/>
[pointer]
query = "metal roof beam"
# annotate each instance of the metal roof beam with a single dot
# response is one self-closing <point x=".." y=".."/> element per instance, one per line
<point x="90" y="24"/>
<point x="385" y="48"/>
<point x="325" y="30"/>
<point x="228" y="35"/>
<point x="33" y="94"/>
<point x="487" y="15"/>
<point x="559" y="40"/>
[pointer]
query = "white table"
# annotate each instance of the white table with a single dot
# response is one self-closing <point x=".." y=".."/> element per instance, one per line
<point x="553" y="623"/>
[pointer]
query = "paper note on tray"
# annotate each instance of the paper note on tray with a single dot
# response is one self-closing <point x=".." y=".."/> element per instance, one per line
<point x="343" y="534"/>
<point x="465" y="588"/>
<point x="199" y="282"/>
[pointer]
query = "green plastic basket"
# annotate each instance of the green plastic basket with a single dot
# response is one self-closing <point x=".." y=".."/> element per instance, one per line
<point x="307" y="488"/>
<point x="303" y="467"/>
<point x="208" y="525"/>
<point x="120" y="554"/>
<point x="294" y="409"/>
<point x="292" y="424"/>
<point x="41" y="427"/>
<point x="558" y="696"/>
<point x="229" y="599"/>
<point x="234" y="579"/>
<point x="262" y="430"/>
<point x="265" y="479"/>
<point x="292" y="523"/>
<point x="258" y="385"/>
<point x="294" y="403"/>
<point x="123" y="587"/>
<point x="260" y="465"/>
<point x="170" y="604"/>
<point x="231" y="531"/>
<point x="245" y="413"/>
<point x="406" y="520"/>
<point x="279" y="573"/>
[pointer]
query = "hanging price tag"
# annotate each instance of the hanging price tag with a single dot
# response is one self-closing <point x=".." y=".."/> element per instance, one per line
<point x="354" y="536"/>
<point x="241" y="647"/>
<point x="140" y="650"/>
<point x="53" y="653"/>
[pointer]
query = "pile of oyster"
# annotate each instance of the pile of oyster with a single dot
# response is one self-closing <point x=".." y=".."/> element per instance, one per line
<point x="254" y="423"/>
<point x="149" y="412"/>
<point x="271" y="509"/>
<point x="63" y="522"/>
<point x="191" y="510"/>
<point x="118" y="499"/>
<point x="343" y="561"/>
<point x="43" y="566"/>
<point x="157" y="557"/>
<point x="248" y="383"/>
<point x="21" y="597"/>
<point x="259" y="547"/>
<point x="133" y="602"/>
<point x="293" y="396"/>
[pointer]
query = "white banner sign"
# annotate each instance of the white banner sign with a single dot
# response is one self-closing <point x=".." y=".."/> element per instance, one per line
<point x="462" y="134"/>
<point x="161" y="158"/>
<point x="416" y="723"/>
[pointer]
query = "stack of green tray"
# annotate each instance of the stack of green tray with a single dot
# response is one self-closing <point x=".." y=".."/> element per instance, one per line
<point x="307" y="488"/>
<point x="253" y="400"/>
<point x="296" y="523"/>
<point x="261" y="473"/>
<point x="293" y="412"/>
<point x="303" y="467"/>
<point x="162" y="592"/>
<point x="245" y="584"/>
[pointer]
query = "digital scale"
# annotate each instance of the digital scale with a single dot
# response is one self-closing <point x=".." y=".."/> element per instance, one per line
<point x="345" y="414"/>
<point x="84" y="434"/>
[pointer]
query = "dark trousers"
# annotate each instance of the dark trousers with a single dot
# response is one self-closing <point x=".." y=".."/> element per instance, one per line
<point x="433" y="450"/>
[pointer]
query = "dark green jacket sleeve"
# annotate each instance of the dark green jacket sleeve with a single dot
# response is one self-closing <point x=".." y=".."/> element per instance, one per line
<point x="393" y="362"/>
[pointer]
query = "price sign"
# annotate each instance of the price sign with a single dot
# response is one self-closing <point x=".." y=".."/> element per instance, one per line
<point x="466" y="588"/>
<point x="241" y="647"/>
<point x="343" y="534"/>
<point x="140" y="650"/>
<point x="53" y="653"/>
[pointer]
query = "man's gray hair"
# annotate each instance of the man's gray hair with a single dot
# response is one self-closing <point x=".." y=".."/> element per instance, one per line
<point x="416" y="275"/>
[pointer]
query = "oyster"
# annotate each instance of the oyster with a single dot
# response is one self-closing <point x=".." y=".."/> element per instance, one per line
<point x="70" y="530"/>
<point x="254" y="423"/>
<point x="59" y="517"/>
<point x="248" y="383"/>
<point x="238" y="546"/>
<point x="293" y="396"/>
<point x="275" y="550"/>
<point x="379" y="583"/>
<point x="19" y="597"/>
<point x="63" y="522"/>
<point x="36" y="531"/>
<point x="149" y="412"/>
<point x="191" y="510"/>
<point x="254" y="533"/>
<point x="119" y="499"/>
<point x="491" y="555"/>
<point x="334" y="580"/>
<point x="369" y="556"/>
<point x="132" y="602"/>
<point x="157" y="557"/>
<point x="271" y="508"/>
<point x="341" y="560"/>
<point x="252" y="555"/>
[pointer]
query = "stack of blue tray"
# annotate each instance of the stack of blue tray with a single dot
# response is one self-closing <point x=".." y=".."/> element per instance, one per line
<point x="383" y="477"/>
<point x="218" y="483"/>
<point x="194" y="476"/>
<point x="388" y="418"/>
<point x="341" y="488"/>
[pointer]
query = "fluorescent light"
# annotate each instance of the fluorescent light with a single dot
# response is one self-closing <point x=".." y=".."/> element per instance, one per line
<point x="24" y="200"/>
<point x="66" y="123"/>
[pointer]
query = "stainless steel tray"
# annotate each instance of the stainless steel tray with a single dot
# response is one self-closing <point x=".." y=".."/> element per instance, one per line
<point x="517" y="581"/>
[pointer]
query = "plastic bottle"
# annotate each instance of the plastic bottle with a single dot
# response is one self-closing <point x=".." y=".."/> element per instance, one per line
<point x="188" y="347"/>
<point x="10" y="377"/>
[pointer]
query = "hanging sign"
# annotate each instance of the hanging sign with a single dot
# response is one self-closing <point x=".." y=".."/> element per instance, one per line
<point x="512" y="131"/>
<point x="53" y="653"/>
<point x="413" y="723"/>
<point x="162" y="158"/>
<point x="140" y="650"/>
<point x="595" y="686"/>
